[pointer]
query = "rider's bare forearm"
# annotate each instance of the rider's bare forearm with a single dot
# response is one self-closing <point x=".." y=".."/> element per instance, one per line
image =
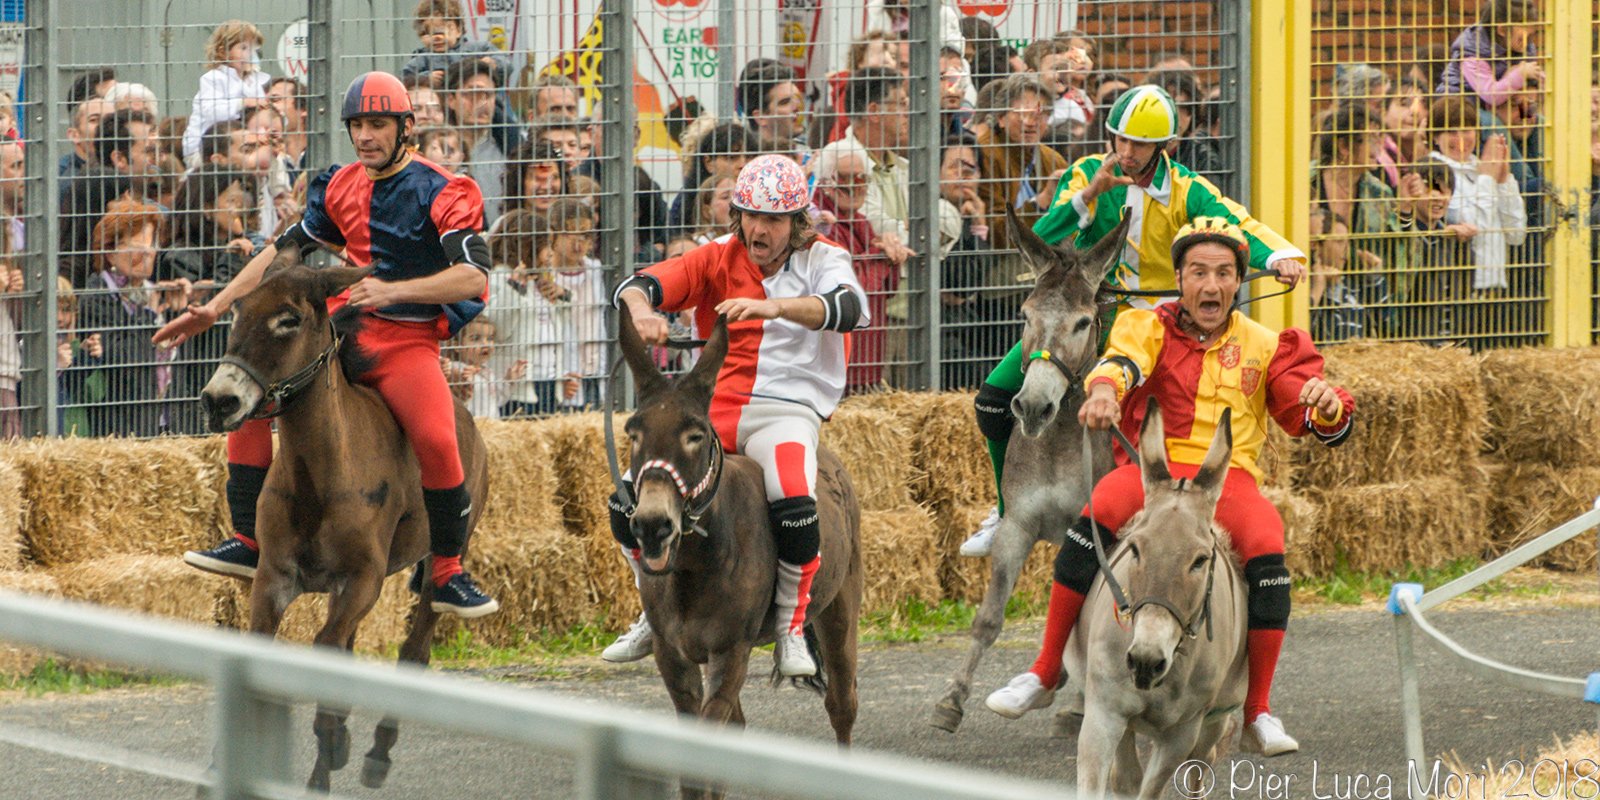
<point x="247" y="279"/>
<point x="637" y="301"/>
<point x="807" y="312"/>
<point x="460" y="282"/>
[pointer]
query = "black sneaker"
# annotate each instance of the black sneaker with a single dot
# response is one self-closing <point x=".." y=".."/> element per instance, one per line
<point x="460" y="596"/>
<point x="232" y="557"/>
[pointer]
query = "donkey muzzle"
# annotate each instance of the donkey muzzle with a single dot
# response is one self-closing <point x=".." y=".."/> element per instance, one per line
<point x="658" y="542"/>
<point x="1149" y="666"/>
<point x="228" y="398"/>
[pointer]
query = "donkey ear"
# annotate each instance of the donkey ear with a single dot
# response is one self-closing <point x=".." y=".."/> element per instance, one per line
<point x="1101" y="260"/>
<point x="1153" y="450"/>
<point x="1214" y="469"/>
<point x="702" y="379"/>
<point x="1041" y="257"/>
<point x="328" y="282"/>
<point x="646" y="378"/>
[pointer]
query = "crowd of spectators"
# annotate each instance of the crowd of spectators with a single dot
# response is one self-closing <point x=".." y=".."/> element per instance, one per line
<point x="1427" y="191"/>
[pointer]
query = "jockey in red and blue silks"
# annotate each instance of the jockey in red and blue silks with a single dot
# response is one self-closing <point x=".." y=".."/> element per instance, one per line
<point x="430" y="267"/>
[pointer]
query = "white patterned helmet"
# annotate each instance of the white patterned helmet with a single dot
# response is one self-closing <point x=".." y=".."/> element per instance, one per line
<point x="771" y="184"/>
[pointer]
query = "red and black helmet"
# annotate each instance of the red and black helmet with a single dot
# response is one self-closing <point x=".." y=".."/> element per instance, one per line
<point x="375" y="94"/>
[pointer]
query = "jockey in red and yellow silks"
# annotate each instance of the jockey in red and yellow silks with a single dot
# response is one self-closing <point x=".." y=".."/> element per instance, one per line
<point x="1197" y="357"/>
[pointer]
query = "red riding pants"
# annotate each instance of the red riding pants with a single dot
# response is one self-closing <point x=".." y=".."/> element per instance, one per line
<point x="407" y="376"/>
<point x="1251" y="521"/>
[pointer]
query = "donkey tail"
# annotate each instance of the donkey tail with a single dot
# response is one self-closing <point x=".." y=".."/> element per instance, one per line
<point x="817" y="683"/>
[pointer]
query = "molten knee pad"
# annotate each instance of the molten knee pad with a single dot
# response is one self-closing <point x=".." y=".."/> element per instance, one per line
<point x="795" y="528"/>
<point x="620" y="529"/>
<point x="993" y="406"/>
<point x="1076" y="564"/>
<point x="1267" y="584"/>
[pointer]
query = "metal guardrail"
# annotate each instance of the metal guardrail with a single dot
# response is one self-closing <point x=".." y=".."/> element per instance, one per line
<point x="1408" y="602"/>
<point x="256" y="680"/>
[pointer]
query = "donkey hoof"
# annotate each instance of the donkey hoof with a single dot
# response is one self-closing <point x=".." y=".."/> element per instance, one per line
<point x="338" y="748"/>
<point x="946" y="716"/>
<point x="374" y="772"/>
<point x="319" y="780"/>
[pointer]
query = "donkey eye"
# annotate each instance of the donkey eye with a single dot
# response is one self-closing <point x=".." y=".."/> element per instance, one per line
<point x="1083" y="325"/>
<point x="695" y="438"/>
<point x="1133" y="550"/>
<point x="1199" y="563"/>
<point x="285" y="323"/>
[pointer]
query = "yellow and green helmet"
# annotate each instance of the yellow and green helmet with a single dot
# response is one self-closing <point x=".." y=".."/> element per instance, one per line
<point x="1144" y="114"/>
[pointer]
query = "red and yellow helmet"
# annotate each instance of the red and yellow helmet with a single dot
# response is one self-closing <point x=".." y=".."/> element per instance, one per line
<point x="1211" y="229"/>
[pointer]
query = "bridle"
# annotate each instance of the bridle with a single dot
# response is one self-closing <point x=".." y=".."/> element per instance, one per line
<point x="1125" y="610"/>
<point x="276" y="396"/>
<point x="696" y="500"/>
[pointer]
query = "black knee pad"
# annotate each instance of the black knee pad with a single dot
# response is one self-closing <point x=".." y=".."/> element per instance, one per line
<point x="449" y="511"/>
<point x="244" y="489"/>
<point x="1267" y="584"/>
<point x="620" y="529"/>
<point x="1076" y="564"/>
<point x="795" y="528"/>
<point x="993" y="405"/>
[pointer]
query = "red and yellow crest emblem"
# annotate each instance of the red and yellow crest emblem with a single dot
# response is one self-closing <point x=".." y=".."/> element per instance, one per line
<point x="1229" y="355"/>
<point x="1250" y="379"/>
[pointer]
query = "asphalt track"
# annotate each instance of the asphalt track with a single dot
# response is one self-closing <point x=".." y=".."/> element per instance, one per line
<point x="1337" y="689"/>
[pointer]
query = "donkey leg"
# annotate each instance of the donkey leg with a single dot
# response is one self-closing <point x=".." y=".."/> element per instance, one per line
<point x="346" y="608"/>
<point x="683" y="680"/>
<point x="726" y="675"/>
<point x="1167" y="751"/>
<point x="417" y="649"/>
<point x="837" y="634"/>
<point x="1126" y="774"/>
<point x="1012" y="544"/>
<point x="1098" y="741"/>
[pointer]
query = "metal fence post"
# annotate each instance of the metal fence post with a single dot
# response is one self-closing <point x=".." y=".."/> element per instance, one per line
<point x="727" y="63"/>
<point x="923" y="202"/>
<point x="618" y="239"/>
<point x="37" y="393"/>
<point x="1410" y="701"/>
<point x="323" y="104"/>
<point x="252" y="735"/>
<point x="1571" y="289"/>
<point x="1280" y="113"/>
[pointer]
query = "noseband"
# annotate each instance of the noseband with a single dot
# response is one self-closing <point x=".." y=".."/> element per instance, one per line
<point x="277" y="395"/>
<point x="696" y="501"/>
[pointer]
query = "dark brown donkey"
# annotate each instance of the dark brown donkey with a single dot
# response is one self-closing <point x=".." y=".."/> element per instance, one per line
<point x="712" y="601"/>
<point x="342" y="506"/>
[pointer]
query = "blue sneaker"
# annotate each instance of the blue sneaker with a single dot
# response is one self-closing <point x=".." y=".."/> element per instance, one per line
<point x="232" y="557"/>
<point x="460" y="596"/>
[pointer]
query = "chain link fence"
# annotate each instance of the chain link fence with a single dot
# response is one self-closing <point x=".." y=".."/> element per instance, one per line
<point x="156" y="147"/>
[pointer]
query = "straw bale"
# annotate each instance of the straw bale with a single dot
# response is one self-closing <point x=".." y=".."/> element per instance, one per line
<point x="1544" y="405"/>
<point x="875" y="447"/>
<point x="1306" y="550"/>
<point x="151" y="584"/>
<point x="212" y="452"/>
<point x="1420" y="411"/>
<point x="540" y="577"/>
<point x="522" y="477"/>
<point x="968" y="578"/>
<point x="899" y="551"/>
<point x="577" y="449"/>
<point x="949" y="451"/>
<point x="12" y="513"/>
<point x="15" y="660"/>
<point x="1425" y="522"/>
<point x="87" y="497"/>
<point x="1277" y="459"/>
<point x="1531" y="499"/>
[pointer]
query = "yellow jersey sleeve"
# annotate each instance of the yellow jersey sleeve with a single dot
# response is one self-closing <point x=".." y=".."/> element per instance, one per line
<point x="1131" y="351"/>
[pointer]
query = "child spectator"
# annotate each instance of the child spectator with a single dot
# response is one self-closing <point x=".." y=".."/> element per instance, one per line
<point x="580" y="284"/>
<point x="523" y="307"/>
<point x="1059" y="65"/>
<point x="75" y="361"/>
<point x="232" y="84"/>
<point x="713" y="209"/>
<point x="472" y="378"/>
<point x="1443" y="276"/>
<point x="1336" y="311"/>
<point x="1486" y="195"/>
<point x="442" y="145"/>
<point x="439" y="25"/>
<point x="425" y="105"/>
<point x="1495" y="58"/>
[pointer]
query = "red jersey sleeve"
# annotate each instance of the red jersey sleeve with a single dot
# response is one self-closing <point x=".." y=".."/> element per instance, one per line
<point x="458" y="207"/>
<point x="1295" y="362"/>
<point x="683" y="280"/>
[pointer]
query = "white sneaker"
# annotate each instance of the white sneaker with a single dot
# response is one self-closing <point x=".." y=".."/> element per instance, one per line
<point x="978" y="544"/>
<point x="633" y="645"/>
<point x="1023" y="694"/>
<point x="1267" y="737"/>
<point x="792" y="655"/>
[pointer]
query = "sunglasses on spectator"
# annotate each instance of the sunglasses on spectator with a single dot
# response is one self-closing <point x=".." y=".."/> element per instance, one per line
<point x="1029" y="113"/>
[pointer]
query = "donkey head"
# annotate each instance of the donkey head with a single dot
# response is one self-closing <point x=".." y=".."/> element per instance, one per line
<point x="1173" y="548"/>
<point x="279" y="328"/>
<point x="1059" y="318"/>
<point x="675" y="448"/>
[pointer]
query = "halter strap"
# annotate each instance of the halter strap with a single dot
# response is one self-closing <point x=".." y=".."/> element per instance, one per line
<point x="276" y="396"/>
<point x="1074" y="380"/>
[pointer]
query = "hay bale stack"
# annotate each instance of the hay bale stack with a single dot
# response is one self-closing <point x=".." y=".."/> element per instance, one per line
<point x="86" y="497"/>
<point x="15" y="660"/>
<point x="1307" y="550"/>
<point x="1544" y="405"/>
<point x="1279" y="454"/>
<point x="1530" y="499"/>
<point x="900" y="554"/>
<point x="151" y="584"/>
<point x="583" y="483"/>
<point x="13" y="512"/>
<point x="949" y="452"/>
<point x="968" y="578"/>
<point x="1426" y="522"/>
<point x="522" y="478"/>
<point x="539" y="575"/>
<point x="212" y="453"/>
<point x="1421" y="412"/>
<point x="875" y="447"/>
